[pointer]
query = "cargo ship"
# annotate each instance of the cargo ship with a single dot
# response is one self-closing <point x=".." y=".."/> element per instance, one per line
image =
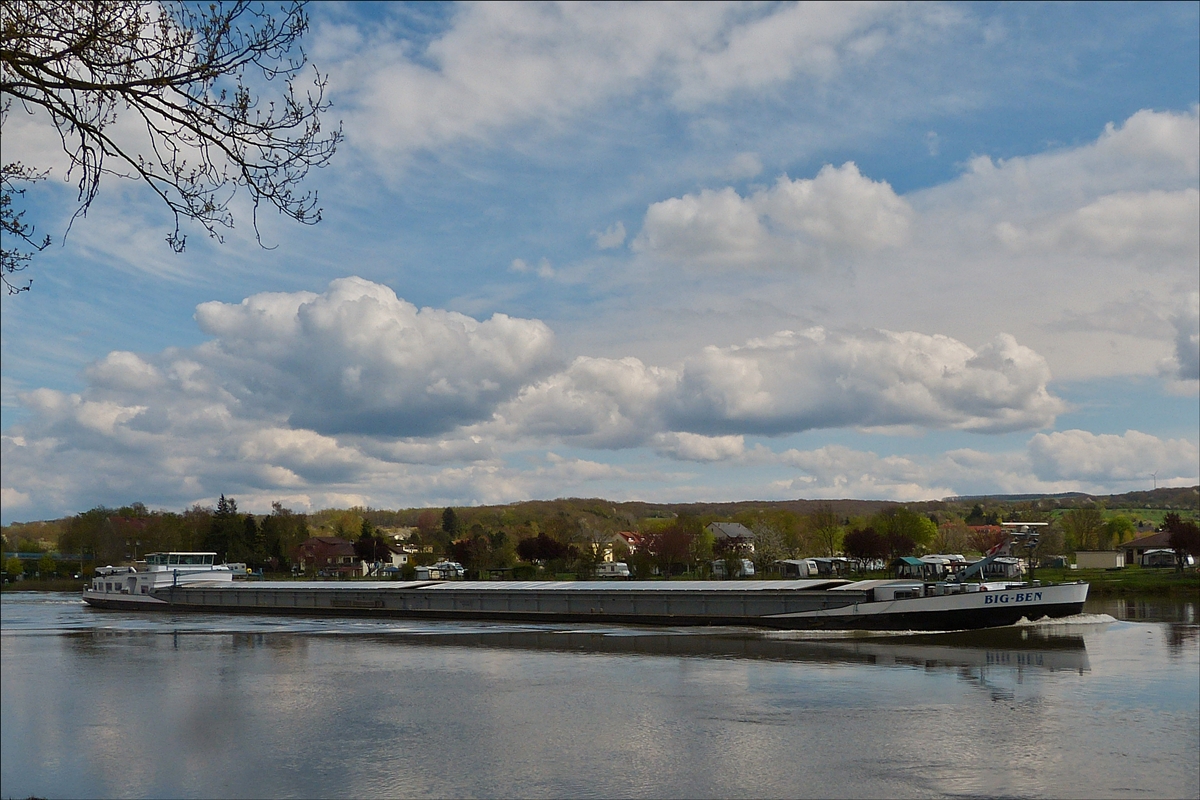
<point x="892" y="604"/>
<point x="195" y="582"/>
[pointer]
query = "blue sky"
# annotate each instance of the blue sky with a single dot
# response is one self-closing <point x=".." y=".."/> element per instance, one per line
<point x="709" y="252"/>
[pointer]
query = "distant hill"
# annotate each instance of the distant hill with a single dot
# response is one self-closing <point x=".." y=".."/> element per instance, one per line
<point x="1175" y="498"/>
<point x="601" y="514"/>
<point x="1014" y="498"/>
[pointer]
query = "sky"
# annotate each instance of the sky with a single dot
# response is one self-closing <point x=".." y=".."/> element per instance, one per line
<point x="648" y="252"/>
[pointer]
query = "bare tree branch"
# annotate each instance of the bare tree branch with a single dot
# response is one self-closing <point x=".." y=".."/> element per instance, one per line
<point x="194" y="76"/>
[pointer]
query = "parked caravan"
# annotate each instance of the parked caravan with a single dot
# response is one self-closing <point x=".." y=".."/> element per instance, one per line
<point x="745" y="570"/>
<point x="797" y="568"/>
<point x="613" y="569"/>
<point x="441" y="571"/>
<point x="1164" y="558"/>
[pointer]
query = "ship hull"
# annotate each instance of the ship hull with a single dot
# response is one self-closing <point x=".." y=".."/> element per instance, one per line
<point x="660" y="603"/>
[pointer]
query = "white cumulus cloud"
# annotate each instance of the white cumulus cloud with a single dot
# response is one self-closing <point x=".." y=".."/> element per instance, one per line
<point x="795" y="222"/>
<point x="821" y="379"/>
<point x="359" y="359"/>
<point x="836" y="471"/>
<point x="786" y="383"/>
<point x="499" y="65"/>
<point x="1120" y="224"/>
<point x="613" y="236"/>
<point x="1108" y="458"/>
<point x="695" y="447"/>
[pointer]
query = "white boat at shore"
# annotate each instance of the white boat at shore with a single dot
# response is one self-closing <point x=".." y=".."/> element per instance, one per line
<point x="135" y="586"/>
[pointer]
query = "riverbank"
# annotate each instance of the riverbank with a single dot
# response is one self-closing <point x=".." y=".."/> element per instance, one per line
<point x="1129" y="581"/>
<point x="1104" y="583"/>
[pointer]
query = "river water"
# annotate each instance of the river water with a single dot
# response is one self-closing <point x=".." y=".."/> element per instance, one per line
<point x="114" y="704"/>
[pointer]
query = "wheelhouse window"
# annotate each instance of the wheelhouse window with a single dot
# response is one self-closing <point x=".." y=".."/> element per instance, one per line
<point x="190" y="559"/>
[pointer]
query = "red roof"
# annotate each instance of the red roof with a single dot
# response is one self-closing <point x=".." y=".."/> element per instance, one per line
<point x="1160" y="539"/>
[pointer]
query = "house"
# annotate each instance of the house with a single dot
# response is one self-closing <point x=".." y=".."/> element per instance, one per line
<point x="605" y="551"/>
<point x="631" y="539"/>
<point x="1100" y="559"/>
<point x="1135" y="549"/>
<point x="731" y="535"/>
<point x="400" y="533"/>
<point x="395" y="557"/>
<point x="325" y="555"/>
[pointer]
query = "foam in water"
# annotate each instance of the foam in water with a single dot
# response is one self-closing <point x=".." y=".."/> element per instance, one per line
<point x="1074" y="619"/>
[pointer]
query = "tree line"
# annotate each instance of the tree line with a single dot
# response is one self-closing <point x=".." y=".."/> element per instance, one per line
<point x="573" y="535"/>
<point x="111" y="536"/>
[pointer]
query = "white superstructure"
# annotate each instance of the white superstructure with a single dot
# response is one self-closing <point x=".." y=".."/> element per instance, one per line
<point x="135" y="585"/>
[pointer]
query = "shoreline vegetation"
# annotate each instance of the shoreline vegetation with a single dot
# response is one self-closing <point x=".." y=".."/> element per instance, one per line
<point x="569" y="538"/>
<point x="1128" y="581"/>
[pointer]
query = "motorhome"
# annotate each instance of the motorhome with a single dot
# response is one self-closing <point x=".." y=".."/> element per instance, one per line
<point x="613" y="569"/>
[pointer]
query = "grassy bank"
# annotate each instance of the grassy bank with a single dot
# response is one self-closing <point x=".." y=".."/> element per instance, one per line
<point x="1130" y="581"/>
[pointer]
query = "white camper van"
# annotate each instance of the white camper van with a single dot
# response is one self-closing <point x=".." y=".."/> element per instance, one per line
<point x="613" y="569"/>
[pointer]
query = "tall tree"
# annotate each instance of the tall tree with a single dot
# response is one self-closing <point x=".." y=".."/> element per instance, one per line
<point x="1115" y="531"/>
<point x="826" y="527"/>
<point x="865" y="544"/>
<point x="226" y="531"/>
<point x="542" y="548"/>
<point x="450" y="523"/>
<point x="190" y="75"/>
<point x="370" y="546"/>
<point x="1082" y="527"/>
<point x="1184" y="538"/>
<point x="770" y="545"/>
<point x="247" y="546"/>
<point x="427" y="524"/>
<point x="953" y="536"/>
<point x="670" y="546"/>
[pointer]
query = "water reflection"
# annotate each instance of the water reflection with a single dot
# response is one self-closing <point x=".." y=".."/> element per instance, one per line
<point x="96" y="643"/>
<point x="1179" y="635"/>
<point x="1145" y="609"/>
<point x="1016" y="648"/>
<point x="106" y="705"/>
<point x="1180" y="615"/>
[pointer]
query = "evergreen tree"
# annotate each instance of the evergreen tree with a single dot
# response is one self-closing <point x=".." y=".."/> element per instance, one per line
<point x="226" y="530"/>
<point x="370" y="546"/>
<point x="450" y="523"/>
